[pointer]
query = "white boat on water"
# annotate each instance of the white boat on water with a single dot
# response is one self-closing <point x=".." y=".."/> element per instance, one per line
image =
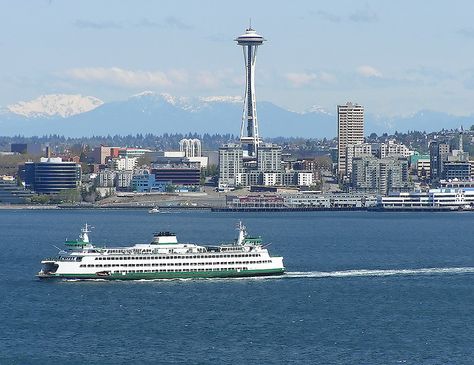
<point x="162" y="258"/>
<point x="154" y="210"/>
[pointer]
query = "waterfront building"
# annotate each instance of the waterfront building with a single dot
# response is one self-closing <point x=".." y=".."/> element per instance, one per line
<point x="145" y="182"/>
<point x="382" y="176"/>
<point x="11" y="193"/>
<point x="260" y="201"/>
<point x="302" y="200"/>
<point x="51" y="175"/>
<point x="182" y="174"/>
<point x="442" y="198"/>
<point x="350" y="127"/>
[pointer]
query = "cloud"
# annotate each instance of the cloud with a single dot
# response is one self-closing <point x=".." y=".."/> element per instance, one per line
<point x="173" y="22"/>
<point x="88" y="24"/>
<point x="136" y="79"/>
<point x="369" y="71"/>
<point x="300" y="79"/>
<point x="466" y="32"/>
<point x="327" y="77"/>
<point x="169" y="22"/>
<point x="333" y="18"/>
<point x="147" y="23"/>
<point x="122" y="77"/>
<point x="364" y="15"/>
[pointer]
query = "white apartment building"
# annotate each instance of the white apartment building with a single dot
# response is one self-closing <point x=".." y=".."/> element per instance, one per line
<point x="231" y="165"/>
<point x="423" y="167"/>
<point x="305" y="178"/>
<point x="356" y="150"/>
<point x="392" y="148"/>
<point x="124" y="163"/>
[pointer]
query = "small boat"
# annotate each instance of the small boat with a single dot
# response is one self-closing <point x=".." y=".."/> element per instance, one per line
<point x="154" y="210"/>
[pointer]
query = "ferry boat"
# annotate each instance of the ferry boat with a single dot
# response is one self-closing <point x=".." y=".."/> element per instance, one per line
<point x="162" y="258"/>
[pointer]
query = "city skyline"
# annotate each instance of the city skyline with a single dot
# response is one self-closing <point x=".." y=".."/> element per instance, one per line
<point x="110" y="51"/>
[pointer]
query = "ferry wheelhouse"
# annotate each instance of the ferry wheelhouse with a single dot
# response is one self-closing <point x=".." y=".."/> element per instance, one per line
<point x="162" y="258"/>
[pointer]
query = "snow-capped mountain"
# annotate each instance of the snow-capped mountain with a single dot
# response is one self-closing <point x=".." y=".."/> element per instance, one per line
<point x="191" y="104"/>
<point x="317" y="109"/>
<point x="150" y="112"/>
<point x="54" y="105"/>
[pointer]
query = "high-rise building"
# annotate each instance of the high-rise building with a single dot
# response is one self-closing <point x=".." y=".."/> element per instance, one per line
<point x="439" y="152"/>
<point x="269" y="157"/>
<point x="250" y="42"/>
<point x="231" y="165"/>
<point x="350" y="130"/>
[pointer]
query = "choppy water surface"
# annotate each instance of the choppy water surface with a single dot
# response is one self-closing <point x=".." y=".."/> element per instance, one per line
<point x="361" y="288"/>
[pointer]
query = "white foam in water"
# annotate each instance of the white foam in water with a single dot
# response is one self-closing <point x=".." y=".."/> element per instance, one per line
<point x="327" y="274"/>
<point x="391" y="272"/>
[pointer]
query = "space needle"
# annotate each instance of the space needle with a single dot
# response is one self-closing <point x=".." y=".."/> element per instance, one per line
<point x="250" y="42"/>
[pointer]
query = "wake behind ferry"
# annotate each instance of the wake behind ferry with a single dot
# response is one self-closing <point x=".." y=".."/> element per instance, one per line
<point x="162" y="258"/>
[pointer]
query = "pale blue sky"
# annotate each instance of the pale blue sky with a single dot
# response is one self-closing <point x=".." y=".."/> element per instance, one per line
<point x="394" y="57"/>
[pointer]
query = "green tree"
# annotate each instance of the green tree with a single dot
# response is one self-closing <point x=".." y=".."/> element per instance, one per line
<point x="68" y="196"/>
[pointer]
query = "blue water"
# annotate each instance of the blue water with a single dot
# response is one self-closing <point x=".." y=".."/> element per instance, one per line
<point x="354" y="292"/>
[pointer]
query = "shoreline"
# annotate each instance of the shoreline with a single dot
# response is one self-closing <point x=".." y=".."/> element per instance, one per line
<point x="220" y="209"/>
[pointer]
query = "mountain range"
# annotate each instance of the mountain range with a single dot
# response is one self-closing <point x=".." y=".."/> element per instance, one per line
<point x="149" y="112"/>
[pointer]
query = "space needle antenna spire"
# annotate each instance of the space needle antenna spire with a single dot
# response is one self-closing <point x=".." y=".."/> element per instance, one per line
<point x="249" y="135"/>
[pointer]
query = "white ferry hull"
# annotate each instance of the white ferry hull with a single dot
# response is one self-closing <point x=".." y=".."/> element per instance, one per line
<point x="165" y="275"/>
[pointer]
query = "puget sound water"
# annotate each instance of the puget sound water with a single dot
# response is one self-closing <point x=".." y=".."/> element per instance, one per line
<point x="360" y="288"/>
